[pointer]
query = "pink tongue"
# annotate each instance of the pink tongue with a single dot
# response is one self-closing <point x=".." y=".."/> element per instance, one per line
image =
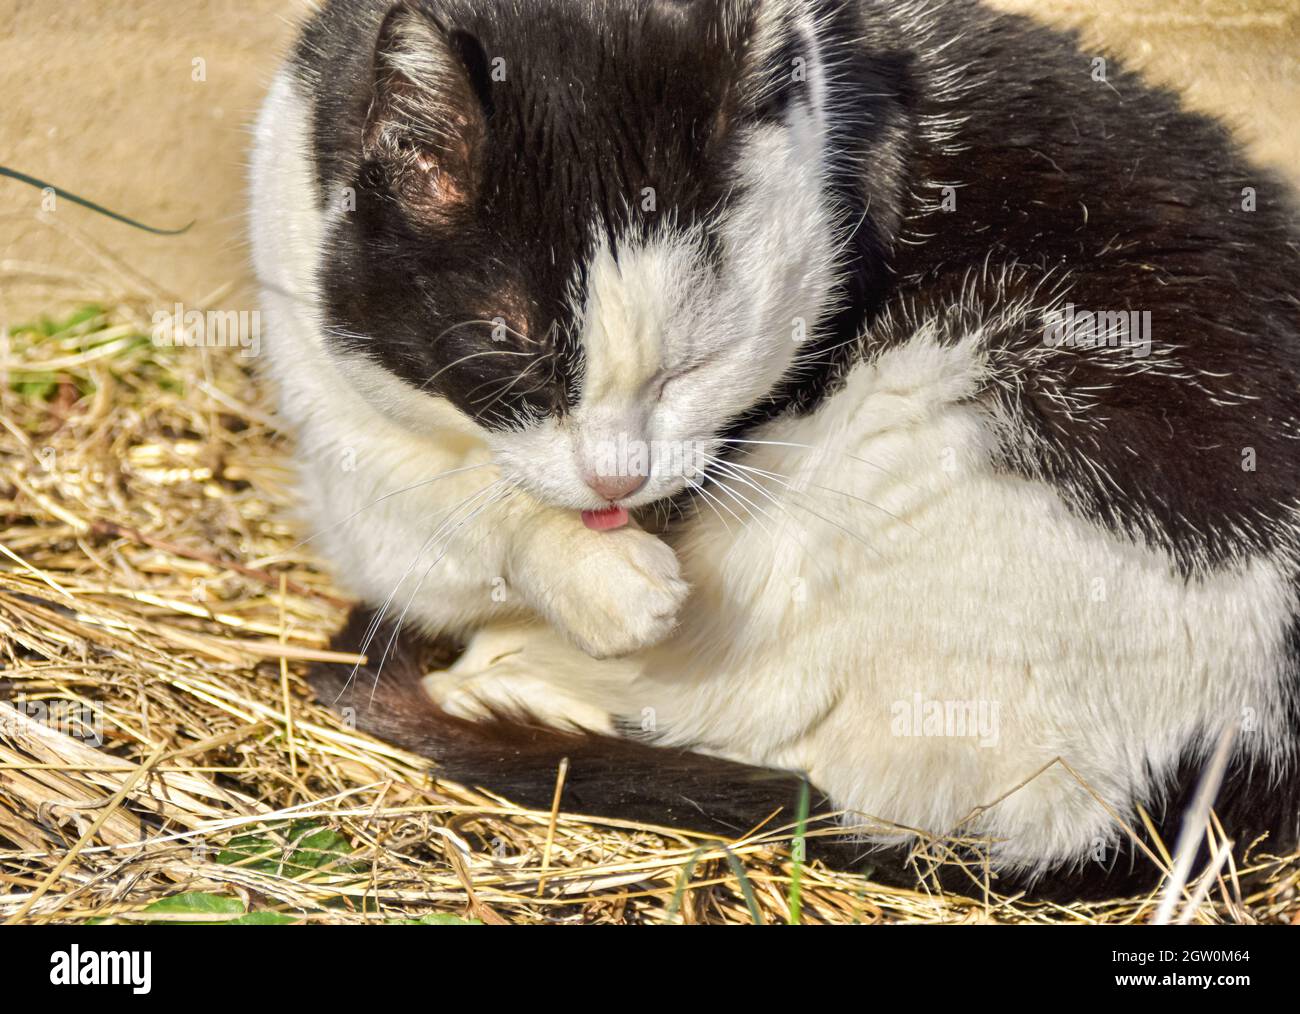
<point x="604" y="520"/>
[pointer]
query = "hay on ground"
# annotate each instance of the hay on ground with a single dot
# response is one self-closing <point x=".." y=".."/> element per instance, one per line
<point x="161" y="757"/>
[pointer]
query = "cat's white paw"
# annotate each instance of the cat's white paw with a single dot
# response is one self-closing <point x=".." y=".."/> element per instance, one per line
<point x="504" y="689"/>
<point x="621" y="593"/>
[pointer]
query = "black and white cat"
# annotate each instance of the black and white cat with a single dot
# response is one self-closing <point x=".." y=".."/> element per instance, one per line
<point x="888" y="392"/>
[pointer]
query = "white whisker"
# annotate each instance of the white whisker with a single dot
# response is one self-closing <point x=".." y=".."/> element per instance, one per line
<point x="472" y="355"/>
<point x="377" y="620"/>
<point x="493" y="498"/>
<point x="713" y="503"/>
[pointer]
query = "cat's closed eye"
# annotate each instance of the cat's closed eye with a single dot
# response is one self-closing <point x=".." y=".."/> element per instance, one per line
<point x="675" y="375"/>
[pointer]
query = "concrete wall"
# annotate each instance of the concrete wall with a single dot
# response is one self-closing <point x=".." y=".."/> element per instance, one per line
<point x="143" y="105"/>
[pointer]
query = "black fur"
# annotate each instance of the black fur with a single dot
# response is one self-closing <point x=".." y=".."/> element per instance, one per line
<point x="595" y="108"/>
<point x="1111" y="196"/>
<point x="1108" y="195"/>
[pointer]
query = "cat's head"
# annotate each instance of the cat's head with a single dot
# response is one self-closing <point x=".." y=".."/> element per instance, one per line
<point x="603" y="231"/>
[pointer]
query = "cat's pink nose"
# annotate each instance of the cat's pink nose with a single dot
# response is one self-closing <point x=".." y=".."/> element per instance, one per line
<point x="615" y="487"/>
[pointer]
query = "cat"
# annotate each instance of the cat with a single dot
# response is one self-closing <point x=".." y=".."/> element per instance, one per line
<point x="889" y="395"/>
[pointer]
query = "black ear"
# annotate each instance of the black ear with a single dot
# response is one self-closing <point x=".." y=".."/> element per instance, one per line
<point x="427" y="122"/>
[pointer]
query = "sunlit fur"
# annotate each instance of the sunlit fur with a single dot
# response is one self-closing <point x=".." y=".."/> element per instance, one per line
<point x="909" y="497"/>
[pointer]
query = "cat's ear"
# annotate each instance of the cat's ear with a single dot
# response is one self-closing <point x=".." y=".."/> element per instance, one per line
<point x="427" y="121"/>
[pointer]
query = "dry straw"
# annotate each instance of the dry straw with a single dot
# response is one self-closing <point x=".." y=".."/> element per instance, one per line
<point x="157" y="737"/>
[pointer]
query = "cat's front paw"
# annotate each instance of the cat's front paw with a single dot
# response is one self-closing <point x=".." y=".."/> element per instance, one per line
<point x="620" y="591"/>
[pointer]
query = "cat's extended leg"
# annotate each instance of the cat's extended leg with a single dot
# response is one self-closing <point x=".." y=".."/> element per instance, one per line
<point x="609" y="775"/>
<point x="526" y="670"/>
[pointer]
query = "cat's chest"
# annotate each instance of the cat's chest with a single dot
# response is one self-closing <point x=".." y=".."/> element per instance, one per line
<point x="880" y="559"/>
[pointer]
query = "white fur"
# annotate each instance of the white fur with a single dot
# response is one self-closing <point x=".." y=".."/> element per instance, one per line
<point x="672" y="349"/>
<point x="883" y="556"/>
<point x="901" y="563"/>
<point x="400" y="490"/>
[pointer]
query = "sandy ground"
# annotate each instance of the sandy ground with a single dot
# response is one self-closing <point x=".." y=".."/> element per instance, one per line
<point x="144" y="107"/>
